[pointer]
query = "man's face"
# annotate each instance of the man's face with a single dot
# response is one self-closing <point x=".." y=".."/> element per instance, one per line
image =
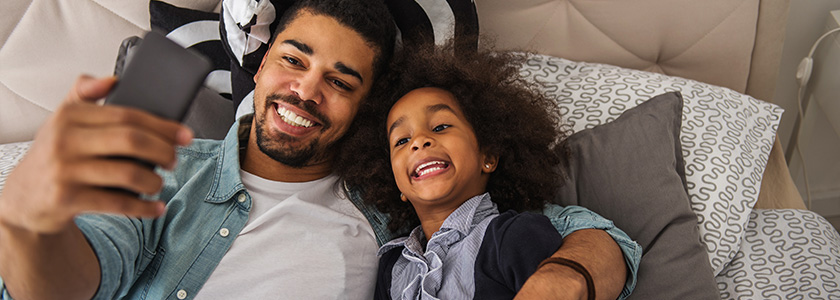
<point x="309" y="88"/>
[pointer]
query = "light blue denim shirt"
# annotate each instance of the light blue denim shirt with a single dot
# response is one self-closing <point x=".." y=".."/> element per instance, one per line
<point x="207" y="206"/>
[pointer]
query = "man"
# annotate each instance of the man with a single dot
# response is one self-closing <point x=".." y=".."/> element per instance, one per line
<point x="63" y="234"/>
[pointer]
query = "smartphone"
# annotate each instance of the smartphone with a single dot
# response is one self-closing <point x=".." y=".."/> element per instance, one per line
<point x="161" y="77"/>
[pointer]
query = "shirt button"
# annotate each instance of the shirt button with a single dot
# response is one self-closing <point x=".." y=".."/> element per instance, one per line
<point x="182" y="294"/>
<point x="241" y="198"/>
<point x="224" y="232"/>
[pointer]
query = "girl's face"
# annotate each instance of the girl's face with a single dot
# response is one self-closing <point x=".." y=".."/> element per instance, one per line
<point x="435" y="155"/>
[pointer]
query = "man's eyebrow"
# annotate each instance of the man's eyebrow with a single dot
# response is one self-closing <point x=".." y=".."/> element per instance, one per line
<point x="349" y="71"/>
<point x="396" y="124"/>
<point x="300" y="46"/>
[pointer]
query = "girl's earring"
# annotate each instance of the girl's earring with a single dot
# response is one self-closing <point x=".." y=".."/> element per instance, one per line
<point x="403" y="198"/>
<point x="487" y="166"/>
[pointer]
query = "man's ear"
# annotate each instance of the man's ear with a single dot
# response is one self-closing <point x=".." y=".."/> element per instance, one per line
<point x="262" y="63"/>
<point x="490" y="162"/>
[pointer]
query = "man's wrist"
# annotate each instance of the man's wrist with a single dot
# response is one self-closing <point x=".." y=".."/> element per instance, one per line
<point x="557" y="282"/>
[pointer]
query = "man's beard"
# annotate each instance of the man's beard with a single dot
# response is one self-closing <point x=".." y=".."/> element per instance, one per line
<point x="279" y="149"/>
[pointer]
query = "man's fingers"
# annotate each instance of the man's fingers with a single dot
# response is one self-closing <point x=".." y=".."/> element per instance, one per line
<point x="98" y="200"/>
<point x="118" y="141"/>
<point x="89" y="89"/>
<point x="114" y="173"/>
<point x="97" y="116"/>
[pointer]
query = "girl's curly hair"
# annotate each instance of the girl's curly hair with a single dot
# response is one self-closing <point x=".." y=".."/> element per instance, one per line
<point x="510" y="116"/>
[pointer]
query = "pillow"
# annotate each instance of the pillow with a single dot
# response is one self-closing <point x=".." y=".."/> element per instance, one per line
<point x="631" y="171"/>
<point x="726" y="136"/>
<point x="427" y="22"/>
<point x="248" y="25"/>
<point x="198" y="31"/>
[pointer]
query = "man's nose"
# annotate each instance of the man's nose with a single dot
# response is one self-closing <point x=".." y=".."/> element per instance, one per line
<point x="307" y="87"/>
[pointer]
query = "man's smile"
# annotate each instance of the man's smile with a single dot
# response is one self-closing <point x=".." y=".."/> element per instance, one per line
<point x="293" y="119"/>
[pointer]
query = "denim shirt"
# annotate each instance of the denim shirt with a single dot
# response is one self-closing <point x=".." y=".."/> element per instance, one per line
<point x="172" y="256"/>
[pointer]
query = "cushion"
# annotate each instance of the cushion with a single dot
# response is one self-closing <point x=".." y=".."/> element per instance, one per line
<point x="198" y="31"/>
<point x="726" y="136"/>
<point x="786" y="254"/>
<point x="631" y="171"/>
<point x="249" y="25"/>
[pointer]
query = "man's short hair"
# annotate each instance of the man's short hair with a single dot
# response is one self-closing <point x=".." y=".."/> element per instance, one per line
<point x="370" y="18"/>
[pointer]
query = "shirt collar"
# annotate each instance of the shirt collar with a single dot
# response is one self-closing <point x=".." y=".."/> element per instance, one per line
<point x="227" y="182"/>
<point x="462" y="220"/>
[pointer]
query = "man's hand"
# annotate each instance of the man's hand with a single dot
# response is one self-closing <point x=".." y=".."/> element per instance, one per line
<point x="72" y="159"/>
<point x="71" y="169"/>
<point x="597" y="252"/>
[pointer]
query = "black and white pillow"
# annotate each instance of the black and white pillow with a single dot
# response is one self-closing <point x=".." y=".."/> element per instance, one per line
<point x="198" y="31"/>
<point x="248" y="25"/>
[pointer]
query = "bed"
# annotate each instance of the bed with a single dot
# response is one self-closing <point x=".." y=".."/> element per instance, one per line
<point x="723" y="211"/>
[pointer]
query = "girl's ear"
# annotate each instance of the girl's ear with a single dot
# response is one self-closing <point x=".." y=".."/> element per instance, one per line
<point x="491" y="161"/>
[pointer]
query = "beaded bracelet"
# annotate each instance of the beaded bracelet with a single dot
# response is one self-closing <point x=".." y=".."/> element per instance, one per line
<point x="590" y="284"/>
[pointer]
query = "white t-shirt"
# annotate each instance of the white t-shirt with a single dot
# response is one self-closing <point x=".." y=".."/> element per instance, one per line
<point x="302" y="241"/>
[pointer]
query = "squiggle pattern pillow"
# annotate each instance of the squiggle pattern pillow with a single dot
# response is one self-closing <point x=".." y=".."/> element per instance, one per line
<point x="726" y="136"/>
<point x="786" y="254"/>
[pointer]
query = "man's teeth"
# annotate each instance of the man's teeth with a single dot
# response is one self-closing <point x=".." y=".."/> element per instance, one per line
<point x="292" y="118"/>
<point x="422" y="171"/>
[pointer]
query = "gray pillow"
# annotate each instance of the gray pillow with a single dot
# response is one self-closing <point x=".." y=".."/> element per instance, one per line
<point x="632" y="171"/>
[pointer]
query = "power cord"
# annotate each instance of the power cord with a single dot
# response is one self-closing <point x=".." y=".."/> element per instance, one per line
<point x="803" y="74"/>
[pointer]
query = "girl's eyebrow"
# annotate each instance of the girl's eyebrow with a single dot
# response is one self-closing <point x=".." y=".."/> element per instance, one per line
<point x="429" y="109"/>
<point x="396" y="124"/>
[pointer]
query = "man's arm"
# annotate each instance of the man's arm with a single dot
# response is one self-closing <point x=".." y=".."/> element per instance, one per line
<point x="43" y="254"/>
<point x="597" y="252"/>
<point x="607" y="253"/>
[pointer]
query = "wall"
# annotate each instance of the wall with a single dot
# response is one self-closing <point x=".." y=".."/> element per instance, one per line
<point x="820" y="142"/>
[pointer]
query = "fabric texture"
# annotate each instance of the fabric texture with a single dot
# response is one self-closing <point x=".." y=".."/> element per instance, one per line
<point x="726" y="136"/>
<point x="786" y="254"/>
<point x="631" y="171"/>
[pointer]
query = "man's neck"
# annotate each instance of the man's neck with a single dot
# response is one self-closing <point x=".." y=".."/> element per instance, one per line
<point x="254" y="161"/>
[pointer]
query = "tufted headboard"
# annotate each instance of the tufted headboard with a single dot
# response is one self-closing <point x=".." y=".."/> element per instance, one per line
<point x="45" y="44"/>
<point x="731" y="43"/>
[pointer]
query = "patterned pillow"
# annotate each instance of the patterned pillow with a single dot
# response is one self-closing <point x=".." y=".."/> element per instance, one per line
<point x="198" y="31"/>
<point x="786" y="254"/>
<point x="726" y="136"/>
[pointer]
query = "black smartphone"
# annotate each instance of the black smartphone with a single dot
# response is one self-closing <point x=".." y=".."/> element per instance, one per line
<point x="161" y="77"/>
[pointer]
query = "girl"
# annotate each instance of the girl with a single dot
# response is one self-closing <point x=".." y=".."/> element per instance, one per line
<point x="464" y="130"/>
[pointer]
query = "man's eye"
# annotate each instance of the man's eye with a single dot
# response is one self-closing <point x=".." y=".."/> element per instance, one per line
<point x="341" y="85"/>
<point x="291" y="60"/>
<point x="401" y="141"/>
<point x="441" y="127"/>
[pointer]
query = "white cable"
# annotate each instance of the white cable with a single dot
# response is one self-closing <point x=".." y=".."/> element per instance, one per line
<point x="799" y="150"/>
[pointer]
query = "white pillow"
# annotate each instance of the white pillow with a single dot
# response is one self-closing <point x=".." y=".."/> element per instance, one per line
<point x="10" y="156"/>
<point x="726" y="136"/>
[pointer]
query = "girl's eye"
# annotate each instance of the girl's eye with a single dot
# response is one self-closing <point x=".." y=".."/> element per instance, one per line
<point x="441" y="127"/>
<point x="401" y="141"/>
